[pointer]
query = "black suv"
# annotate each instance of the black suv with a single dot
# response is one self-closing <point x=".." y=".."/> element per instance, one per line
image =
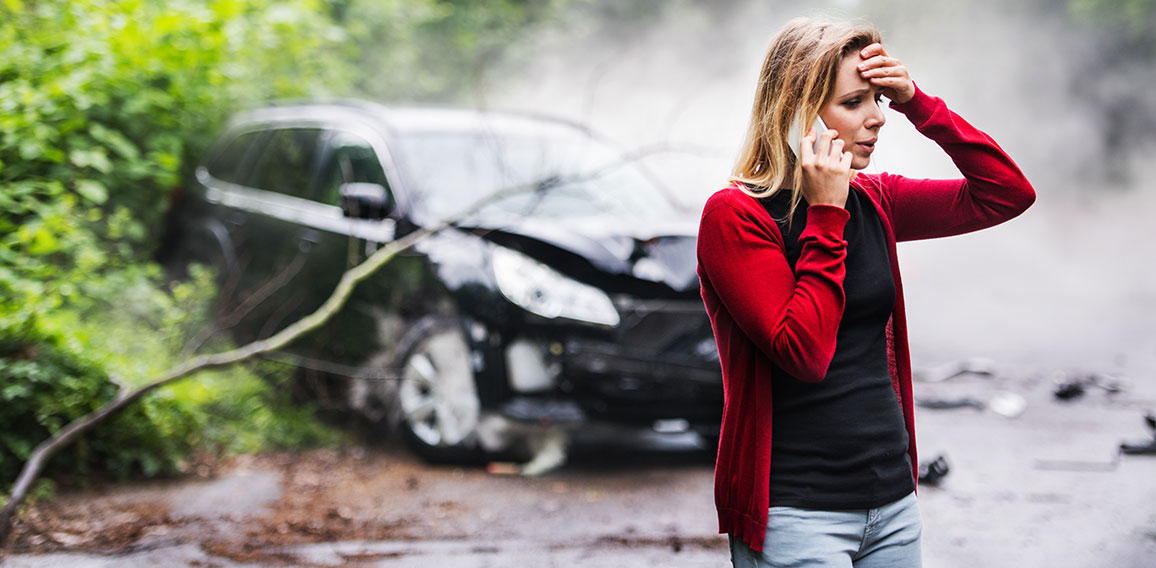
<point x="577" y="301"/>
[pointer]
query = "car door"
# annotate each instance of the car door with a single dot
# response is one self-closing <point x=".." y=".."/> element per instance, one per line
<point x="261" y="199"/>
<point x="348" y="156"/>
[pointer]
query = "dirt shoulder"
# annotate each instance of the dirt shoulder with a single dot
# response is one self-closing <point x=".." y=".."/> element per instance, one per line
<point x="268" y="510"/>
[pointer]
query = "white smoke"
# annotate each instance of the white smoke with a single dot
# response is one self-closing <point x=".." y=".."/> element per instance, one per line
<point x="1071" y="283"/>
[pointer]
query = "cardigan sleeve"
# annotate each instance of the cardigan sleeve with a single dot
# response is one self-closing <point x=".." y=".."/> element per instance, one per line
<point x="993" y="188"/>
<point x="792" y="317"/>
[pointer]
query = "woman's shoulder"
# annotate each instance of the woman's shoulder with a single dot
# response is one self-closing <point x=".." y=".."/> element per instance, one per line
<point x="734" y="213"/>
<point x="732" y="198"/>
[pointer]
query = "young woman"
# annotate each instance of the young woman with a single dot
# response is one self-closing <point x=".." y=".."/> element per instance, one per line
<point x="816" y="463"/>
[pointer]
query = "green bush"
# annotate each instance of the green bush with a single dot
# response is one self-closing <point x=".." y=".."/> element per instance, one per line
<point x="56" y="368"/>
<point x="104" y="106"/>
<point x="45" y="387"/>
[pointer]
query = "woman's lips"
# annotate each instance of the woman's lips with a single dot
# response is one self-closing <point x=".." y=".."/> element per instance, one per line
<point x="868" y="146"/>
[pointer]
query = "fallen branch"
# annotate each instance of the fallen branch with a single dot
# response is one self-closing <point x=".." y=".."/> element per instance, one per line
<point x="244" y="308"/>
<point x="69" y="433"/>
<point x="74" y="429"/>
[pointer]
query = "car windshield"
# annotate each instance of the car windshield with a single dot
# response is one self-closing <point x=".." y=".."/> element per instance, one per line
<point x="574" y="174"/>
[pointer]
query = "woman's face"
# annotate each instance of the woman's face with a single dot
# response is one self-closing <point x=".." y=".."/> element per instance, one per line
<point x="854" y="112"/>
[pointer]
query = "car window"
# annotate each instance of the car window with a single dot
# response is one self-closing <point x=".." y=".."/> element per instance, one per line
<point x="225" y="165"/>
<point x="349" y="159"/>
<point x="584" y="176"/>
<point x="287" y="161"/>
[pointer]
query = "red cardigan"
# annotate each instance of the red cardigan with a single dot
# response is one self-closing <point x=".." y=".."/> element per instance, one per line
<point x="763" y="313"/>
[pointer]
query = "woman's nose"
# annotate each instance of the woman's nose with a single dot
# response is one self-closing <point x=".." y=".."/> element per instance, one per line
<point x="877" y="118"/>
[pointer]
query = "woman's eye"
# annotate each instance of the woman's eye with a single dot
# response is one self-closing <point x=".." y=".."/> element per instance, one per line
<point x="851" y="103"/>
<point x="878" y="98"/>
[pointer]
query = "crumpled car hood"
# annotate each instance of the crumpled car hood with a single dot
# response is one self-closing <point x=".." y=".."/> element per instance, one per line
<point x="662" y="252"/>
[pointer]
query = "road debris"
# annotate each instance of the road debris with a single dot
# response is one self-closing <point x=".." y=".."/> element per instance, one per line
<point x="932" y="472"/>
<point x="1146" y="447"/>
<point x="1075" y="385"/>
<point x="1069" y="390"/>
<point x="974" y="366"/>
<point x="1139" y="448"/>
<point x="1006" y="404"/>
<point x="503" y="468"/>
<point x="948" y="403"/>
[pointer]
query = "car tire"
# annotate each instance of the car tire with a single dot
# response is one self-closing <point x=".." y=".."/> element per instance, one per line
<point x="436" y="399"/>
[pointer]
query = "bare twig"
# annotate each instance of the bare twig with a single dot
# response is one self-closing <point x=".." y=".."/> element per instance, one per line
<point x="330" y="367"/>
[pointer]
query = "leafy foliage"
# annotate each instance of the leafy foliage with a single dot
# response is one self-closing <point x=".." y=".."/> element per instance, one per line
<point x="104" y="106"/>
<point x="45" y="387"/>
<point x="104" y="101"/>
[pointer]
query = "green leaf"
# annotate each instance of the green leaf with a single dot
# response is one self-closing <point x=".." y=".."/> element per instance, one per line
<point x="115" y="140"/>
<point x="43" y="242"/>
<point x="92" y="190"/>
<point x="14" y="6"/>
<point x="96" y="159"/>
<point x="31" y="150"/>
<point x="14" y="391"/>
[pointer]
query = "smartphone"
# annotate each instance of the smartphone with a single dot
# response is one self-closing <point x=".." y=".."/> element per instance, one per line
<point x="795" y="137"/>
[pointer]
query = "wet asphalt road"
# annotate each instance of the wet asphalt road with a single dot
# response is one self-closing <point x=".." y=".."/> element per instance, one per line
<point x="1044" y="489"/>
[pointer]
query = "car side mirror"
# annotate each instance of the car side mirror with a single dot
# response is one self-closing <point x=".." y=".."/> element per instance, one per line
<point x="365" y="201"/>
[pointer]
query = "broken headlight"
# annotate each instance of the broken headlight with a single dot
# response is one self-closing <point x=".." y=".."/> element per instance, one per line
<point x="542" y="290"/>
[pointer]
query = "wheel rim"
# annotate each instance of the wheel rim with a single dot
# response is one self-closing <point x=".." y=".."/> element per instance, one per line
<point x="437" y="394"/>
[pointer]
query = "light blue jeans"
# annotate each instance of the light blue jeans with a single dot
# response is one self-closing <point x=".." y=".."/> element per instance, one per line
<point x="887" y="536"/>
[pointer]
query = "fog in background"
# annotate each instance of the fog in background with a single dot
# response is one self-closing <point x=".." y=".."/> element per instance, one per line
<point x="1068" y="286"/>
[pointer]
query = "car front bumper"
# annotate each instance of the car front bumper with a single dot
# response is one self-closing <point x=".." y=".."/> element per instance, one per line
<point x="659" y="364"/>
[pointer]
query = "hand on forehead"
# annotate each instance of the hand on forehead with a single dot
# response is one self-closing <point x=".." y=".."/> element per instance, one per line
<point x="872" y="50"/>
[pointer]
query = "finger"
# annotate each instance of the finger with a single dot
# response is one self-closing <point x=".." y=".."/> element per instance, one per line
<point x="836" y="149"/>
<point x="898" y="83"/>
<point x="898" y="89"/>
<point x="845" y="161"/>
<point x="824" y="145"/>
<point x="890" y="71"/>
<point x="879" y="62"/>
<point x="872" y="50"/>
<point x="806" y="148"/>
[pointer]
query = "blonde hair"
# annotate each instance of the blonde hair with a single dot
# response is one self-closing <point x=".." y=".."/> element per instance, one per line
<point x="797" y="79"/>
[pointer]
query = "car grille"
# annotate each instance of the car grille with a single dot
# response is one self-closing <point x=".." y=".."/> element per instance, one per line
<point x="666" y="327"/>
<point x="662" y="363"/>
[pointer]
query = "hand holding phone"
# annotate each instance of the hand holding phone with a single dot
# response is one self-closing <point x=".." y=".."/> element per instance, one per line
<point x="826" y="174"/>
<point x="795" y="136"/>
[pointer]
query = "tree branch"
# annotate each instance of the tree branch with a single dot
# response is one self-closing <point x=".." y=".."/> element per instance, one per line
<point x="69" y="433"/>
<point x="245" y="307"/>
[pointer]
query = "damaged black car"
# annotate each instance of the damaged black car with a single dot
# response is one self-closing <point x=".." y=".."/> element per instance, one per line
<point x="571" y="302"/>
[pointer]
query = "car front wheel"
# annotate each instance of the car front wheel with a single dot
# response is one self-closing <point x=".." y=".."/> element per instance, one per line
<point x="437" y="397"/>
